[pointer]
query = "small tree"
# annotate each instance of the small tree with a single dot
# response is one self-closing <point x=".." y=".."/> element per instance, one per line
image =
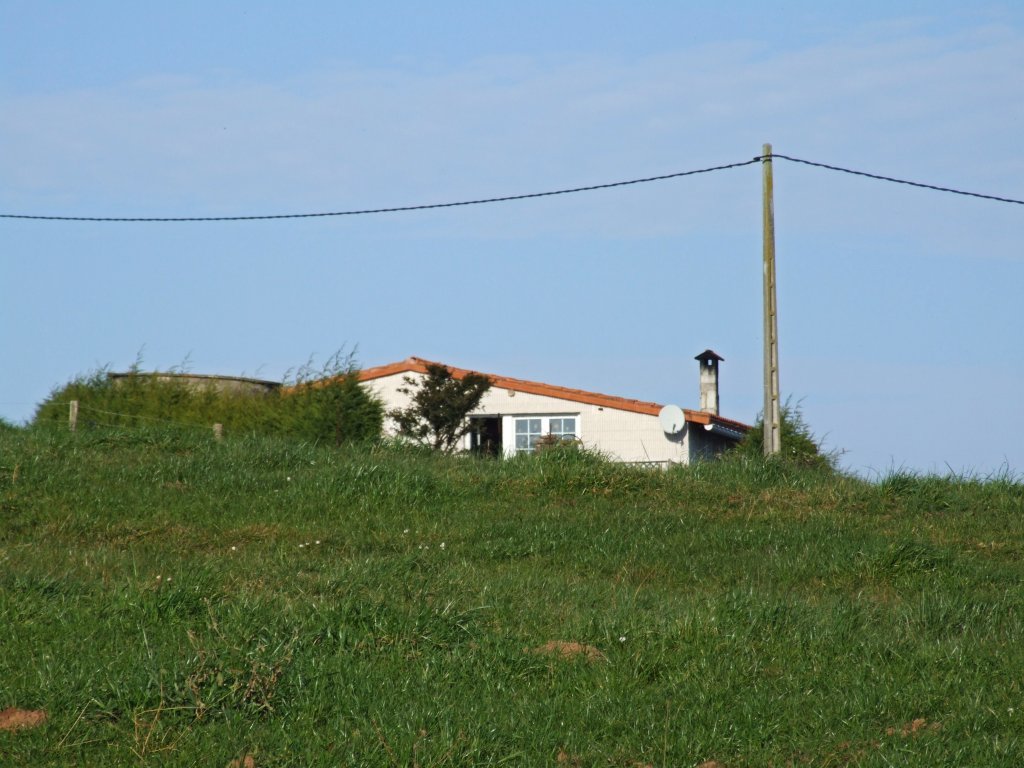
<point x="440" y="404"/>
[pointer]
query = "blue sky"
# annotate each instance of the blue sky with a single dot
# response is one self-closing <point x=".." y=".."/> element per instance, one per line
<point x="899" y="308"/>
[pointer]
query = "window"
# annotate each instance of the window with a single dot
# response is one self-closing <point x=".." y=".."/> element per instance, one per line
<point x="527" y="434"/>
<point x="565" y="427"/>
<point x="530" y="430"/>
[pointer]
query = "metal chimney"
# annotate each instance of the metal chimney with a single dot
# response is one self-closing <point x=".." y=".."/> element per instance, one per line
<point x="709" y="380"/>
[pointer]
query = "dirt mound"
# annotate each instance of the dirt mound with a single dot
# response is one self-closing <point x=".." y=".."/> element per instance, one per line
<point x="12" y="718"/>
<point x="564" y="650"/>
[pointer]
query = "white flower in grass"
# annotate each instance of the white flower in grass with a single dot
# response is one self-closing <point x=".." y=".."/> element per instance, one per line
<point x="622" y="638"/>
<point x="317" y="541"/>
<point x="234" y="549"/>
<point x="442" y="545"/>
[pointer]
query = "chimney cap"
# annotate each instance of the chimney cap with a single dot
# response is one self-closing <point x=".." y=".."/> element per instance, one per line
<point x="708" y="354"/>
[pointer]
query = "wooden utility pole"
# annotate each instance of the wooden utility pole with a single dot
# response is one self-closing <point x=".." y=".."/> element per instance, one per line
<point x="73" y="415"/>
<point x="772" y="408"/>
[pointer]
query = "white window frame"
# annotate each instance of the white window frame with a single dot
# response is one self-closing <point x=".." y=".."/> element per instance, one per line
<point x="545" y="428"/>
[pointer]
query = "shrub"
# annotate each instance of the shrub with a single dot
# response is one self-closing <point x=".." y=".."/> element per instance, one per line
<point x="318" y="405"/>
<point x="799" y="445"/>
<point x="329" y="405"/>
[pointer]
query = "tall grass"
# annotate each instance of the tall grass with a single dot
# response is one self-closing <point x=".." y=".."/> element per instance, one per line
<point x="324" y="404"/>
<point x="171" y="600"/>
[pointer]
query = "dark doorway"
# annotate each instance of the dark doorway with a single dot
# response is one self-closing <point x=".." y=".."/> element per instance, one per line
<point x="485" y="435"/>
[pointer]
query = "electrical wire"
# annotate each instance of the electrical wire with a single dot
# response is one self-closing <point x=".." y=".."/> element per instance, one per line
<point x="510" y="198"/>
<point x="429" y="206"/>
<point x="894" y="180"/>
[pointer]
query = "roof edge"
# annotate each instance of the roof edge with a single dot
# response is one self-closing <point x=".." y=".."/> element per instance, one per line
<point x="419" y="365"/>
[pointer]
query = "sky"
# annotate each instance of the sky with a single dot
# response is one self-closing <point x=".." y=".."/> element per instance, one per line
<point x="899" y="308"/>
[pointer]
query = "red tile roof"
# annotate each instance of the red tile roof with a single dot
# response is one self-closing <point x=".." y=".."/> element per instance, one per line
<point x="419" y="365"/>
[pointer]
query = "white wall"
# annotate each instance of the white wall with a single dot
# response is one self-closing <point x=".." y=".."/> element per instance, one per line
<point x="622" y="435"/>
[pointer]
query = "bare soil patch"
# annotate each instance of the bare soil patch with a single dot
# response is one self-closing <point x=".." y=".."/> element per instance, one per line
<point x="13" y="719"/>
<point x="569" y="650"/>
<point x="913" y="728"/>
<point x="853" y="752"/>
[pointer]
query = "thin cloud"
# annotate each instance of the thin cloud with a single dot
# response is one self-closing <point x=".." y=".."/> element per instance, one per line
<point x="515" y="124"/>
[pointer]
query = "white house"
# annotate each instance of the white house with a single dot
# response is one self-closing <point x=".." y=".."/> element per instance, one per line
<point x="515" y="413"/>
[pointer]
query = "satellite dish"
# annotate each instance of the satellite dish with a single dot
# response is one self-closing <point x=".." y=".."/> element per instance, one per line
<point x="672" y="419"/>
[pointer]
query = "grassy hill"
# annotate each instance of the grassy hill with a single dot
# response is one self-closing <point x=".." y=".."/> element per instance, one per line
<point x="168" y="600"/>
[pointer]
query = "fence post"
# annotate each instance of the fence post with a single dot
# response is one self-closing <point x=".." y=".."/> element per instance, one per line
<point x="218" y="431"/>
<point x="73" y="415"/>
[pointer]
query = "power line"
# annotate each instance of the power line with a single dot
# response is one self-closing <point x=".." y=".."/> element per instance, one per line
<point x="430" y="206"/>
<point x="509" y="198"/>
<point x="898" y="181"/>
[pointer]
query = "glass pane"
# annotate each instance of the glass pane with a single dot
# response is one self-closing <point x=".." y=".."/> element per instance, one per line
<point x="521" y="425"/>
<point x="522" y="442"/>
<point x="533" y="441"/>
<point x="569" y="426"/>
<point x="534" y="426"/>
<point x="556" y="427"/>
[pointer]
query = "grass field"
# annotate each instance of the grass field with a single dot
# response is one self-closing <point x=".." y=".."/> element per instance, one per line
<point x="168" y="600"/>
